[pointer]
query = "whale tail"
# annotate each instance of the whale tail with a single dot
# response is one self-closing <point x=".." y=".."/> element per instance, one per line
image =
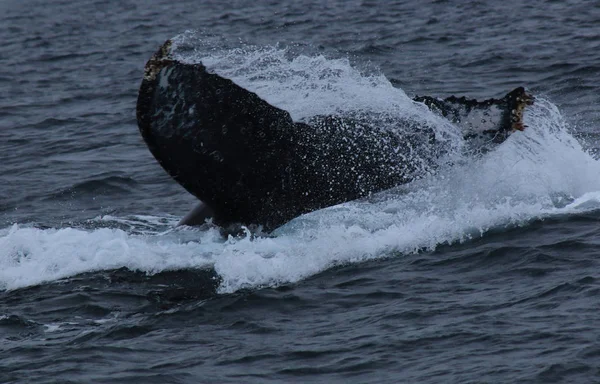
<point x="249" y="163"/>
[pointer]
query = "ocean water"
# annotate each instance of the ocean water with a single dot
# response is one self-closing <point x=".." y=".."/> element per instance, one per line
<point x="485" y="271"/>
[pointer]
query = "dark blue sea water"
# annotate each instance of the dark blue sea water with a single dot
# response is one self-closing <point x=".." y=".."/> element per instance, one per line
<point x="485" y="272"/>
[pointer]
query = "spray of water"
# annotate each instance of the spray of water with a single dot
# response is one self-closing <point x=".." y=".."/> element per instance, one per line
<point x="537" y="173"/>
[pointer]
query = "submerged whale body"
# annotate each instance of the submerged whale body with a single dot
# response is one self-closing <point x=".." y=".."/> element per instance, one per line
<point x="249" y="163"/>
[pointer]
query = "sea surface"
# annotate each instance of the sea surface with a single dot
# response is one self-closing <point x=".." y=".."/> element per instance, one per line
<point x="486" y="271"/>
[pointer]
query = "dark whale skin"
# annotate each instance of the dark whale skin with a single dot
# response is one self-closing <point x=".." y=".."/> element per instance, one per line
<point x="250" y="164"/>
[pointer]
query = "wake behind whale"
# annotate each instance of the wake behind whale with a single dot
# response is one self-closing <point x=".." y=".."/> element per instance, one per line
<point x="250" y="163"/>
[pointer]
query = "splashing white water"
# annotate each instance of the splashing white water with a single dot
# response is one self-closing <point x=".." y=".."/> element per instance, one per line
<point x="304" y="84"/>
<point x="538" y="173"/>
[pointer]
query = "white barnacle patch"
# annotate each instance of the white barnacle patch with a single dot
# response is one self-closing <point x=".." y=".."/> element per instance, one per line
<point x="158" y="61"/>
<point x="163" y="81"/>
<point x="480" y="120"/>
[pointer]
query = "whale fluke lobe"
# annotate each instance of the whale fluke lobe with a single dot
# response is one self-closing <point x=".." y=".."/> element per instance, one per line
<point x="222" y="143"/>
<point x="248" y="162"/>
<point x="483" y="123"/>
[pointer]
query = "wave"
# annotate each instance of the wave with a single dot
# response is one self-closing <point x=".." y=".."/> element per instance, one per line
<point x="539" y="173"/>
<point x="105" y="184"/>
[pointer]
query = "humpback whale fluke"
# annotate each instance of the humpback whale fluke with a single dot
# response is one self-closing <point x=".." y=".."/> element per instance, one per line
<point x="248" y="162"/>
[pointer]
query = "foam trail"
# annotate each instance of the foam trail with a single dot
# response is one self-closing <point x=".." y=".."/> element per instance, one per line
<point x="29" y="256"/>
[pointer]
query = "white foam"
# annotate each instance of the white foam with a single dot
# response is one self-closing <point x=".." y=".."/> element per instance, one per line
<point x="52" y="327"/>
<point x="537" y="173"/>
<point x="29" y="255"/>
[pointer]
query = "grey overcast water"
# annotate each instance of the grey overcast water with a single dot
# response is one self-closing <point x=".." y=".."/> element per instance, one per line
<point x="485" y="272"/>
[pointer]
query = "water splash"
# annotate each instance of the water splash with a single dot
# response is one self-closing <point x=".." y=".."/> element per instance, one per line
<point x="538" y="173"/>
